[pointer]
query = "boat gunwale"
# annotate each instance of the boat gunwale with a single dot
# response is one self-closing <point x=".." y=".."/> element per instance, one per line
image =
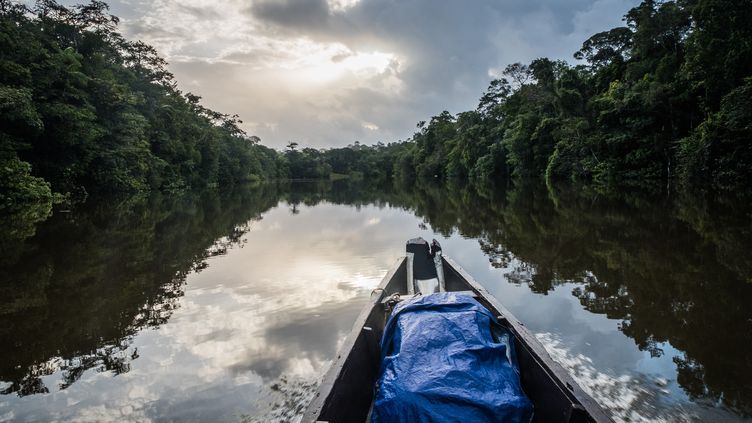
<point x="556" y="372"/>
<point x="333" y="372"/>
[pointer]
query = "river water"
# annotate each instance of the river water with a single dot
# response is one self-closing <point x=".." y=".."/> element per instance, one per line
<point x="230" y="306"/>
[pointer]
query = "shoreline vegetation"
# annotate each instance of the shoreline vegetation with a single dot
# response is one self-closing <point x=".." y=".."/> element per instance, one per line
<point x="659" y="103"/>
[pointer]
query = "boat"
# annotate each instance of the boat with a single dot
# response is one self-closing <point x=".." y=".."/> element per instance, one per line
<point x="346" y="392"/>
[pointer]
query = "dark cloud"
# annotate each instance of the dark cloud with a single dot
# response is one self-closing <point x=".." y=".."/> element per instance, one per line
<point x="292" y="13"/>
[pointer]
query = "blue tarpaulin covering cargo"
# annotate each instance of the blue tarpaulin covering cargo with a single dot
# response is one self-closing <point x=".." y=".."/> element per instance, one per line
<point x="445" y="359"/>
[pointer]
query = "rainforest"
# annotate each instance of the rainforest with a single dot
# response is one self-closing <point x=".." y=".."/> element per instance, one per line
<point x="160" y="260"/>
<point x="661" y="101"/>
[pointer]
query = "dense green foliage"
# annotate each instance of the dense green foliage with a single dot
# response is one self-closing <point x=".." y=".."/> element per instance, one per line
<point x="665" y="97"/>
<point x="84" y="110"/>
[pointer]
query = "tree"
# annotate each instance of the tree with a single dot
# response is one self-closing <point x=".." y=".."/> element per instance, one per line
<point x="518" y="73"/>
<point x="495" y="94"/>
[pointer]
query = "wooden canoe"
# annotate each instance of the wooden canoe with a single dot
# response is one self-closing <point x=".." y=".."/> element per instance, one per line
<point x="347" y="389"/>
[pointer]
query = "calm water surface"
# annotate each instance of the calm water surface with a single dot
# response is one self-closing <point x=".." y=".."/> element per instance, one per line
<point x="230" y="306"/>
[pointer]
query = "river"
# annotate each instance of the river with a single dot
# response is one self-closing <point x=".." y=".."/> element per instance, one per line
<point x="228" y="306"/>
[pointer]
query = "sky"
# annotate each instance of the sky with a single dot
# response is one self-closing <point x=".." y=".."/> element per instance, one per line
<point x="326" y="73"/>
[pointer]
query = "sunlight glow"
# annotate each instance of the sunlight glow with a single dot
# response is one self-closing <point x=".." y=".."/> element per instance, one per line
<point x="309" y="63"/>
<point x="341" y="5"/>
<point x="323" y="66"/>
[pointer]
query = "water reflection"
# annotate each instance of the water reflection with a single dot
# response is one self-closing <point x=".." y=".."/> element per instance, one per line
<point x="75" y="294"/>
<point x="673" y="272"/>
<point x="250" y="293"/>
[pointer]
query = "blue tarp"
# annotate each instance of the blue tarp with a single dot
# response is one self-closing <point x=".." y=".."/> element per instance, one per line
<point x="441" y="362"/>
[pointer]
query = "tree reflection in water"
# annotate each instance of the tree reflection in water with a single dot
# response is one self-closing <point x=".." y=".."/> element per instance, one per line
<point x="671" y="269"/>
<point x="77" y="291"/>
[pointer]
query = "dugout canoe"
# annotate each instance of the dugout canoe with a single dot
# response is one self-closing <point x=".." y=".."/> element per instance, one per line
<point x="347" y="390"/>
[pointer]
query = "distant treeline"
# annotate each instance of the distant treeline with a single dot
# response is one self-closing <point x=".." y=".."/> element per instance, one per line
<point x="665" y="98"/>
<point x="376" y="163"/>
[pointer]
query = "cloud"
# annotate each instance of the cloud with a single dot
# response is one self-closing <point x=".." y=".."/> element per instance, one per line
<point x="330" y="72"/>
<point x="297" y="13"/>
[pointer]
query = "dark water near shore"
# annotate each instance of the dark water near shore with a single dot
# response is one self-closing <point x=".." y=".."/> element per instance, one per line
<point x="229" y="306"/>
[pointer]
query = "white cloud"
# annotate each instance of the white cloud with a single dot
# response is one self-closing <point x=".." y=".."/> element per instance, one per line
<point x="329" y="72"/>
<point x="341" y="5"/>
